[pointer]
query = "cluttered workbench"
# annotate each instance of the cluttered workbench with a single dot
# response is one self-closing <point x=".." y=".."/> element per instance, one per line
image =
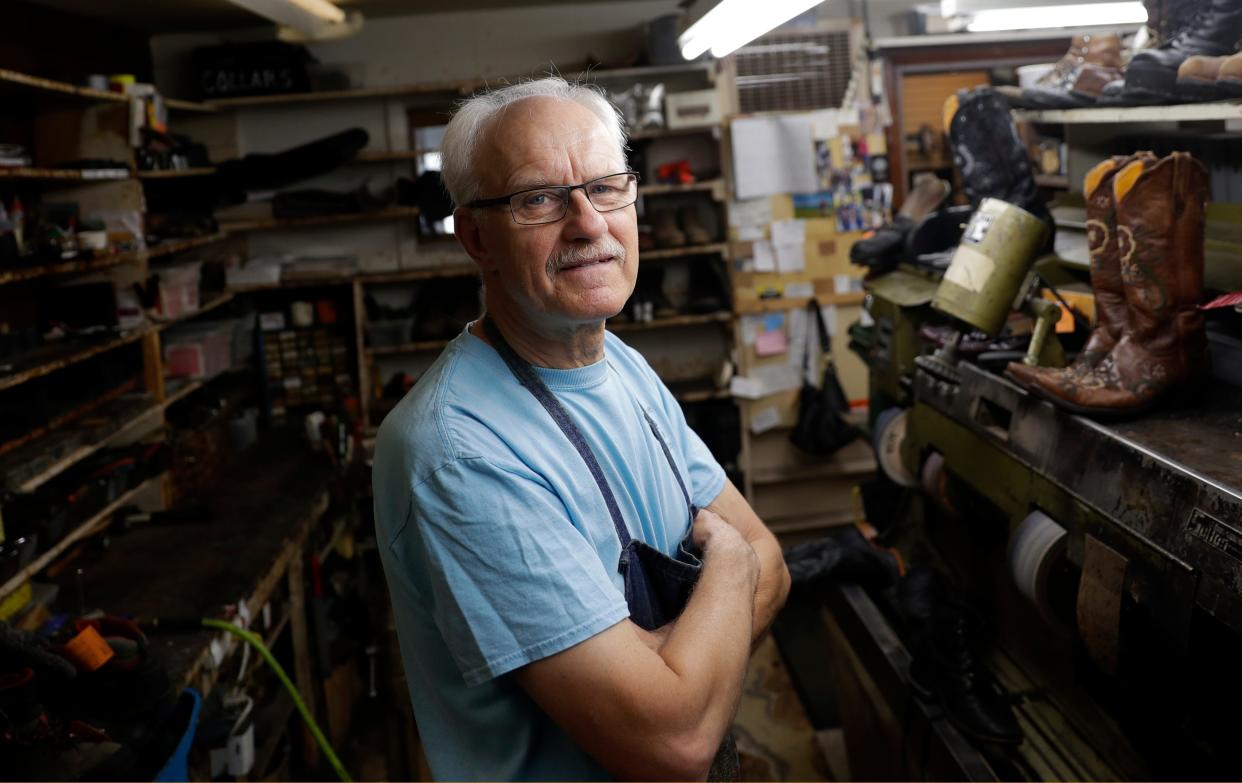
<point x="236" y="555"/>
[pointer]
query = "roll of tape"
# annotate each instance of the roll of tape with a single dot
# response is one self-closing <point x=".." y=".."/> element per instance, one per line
<point x="1037" y="545"/>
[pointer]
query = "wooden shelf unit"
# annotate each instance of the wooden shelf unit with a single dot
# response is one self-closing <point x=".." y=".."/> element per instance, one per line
<point x="681" y="252"/>
<point x="202" y="171"/>
<point x="671" y="322"/>
<point x="56" y="357"/>
<point x="14" y="81"/>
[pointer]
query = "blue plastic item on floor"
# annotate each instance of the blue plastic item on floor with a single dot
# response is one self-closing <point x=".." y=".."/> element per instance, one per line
<point x="177" y="766"/>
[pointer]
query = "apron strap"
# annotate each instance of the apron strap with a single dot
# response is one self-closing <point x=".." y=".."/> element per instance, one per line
<point x="668" y="455"/>
<point x="527" y="376"/>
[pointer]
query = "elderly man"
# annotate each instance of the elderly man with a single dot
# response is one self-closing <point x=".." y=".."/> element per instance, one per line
<point x="538" y="492"/>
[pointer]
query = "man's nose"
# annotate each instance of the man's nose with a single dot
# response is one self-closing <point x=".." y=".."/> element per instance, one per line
<point x="582" y="220"/>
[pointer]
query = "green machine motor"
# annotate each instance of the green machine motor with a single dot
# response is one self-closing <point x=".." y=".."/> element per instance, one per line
<point x="990" y="276"/>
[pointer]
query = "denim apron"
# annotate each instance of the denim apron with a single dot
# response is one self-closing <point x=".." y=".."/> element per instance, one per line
<point x="657" y="586"/>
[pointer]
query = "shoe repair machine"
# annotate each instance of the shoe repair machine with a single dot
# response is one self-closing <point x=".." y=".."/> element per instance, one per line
<point x="1107" y="557"/>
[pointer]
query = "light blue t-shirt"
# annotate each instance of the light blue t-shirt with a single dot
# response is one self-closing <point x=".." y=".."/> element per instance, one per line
<point x="498" y="547"/>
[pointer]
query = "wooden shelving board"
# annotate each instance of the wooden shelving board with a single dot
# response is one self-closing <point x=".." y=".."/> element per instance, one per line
<point x="384" y="156"/>
<point x="202" y="171"/>
<point x="205" y="307"/>
<point x="360" y="93"/>
<point x="391" y="213"/>
<point x="672" y="322"/>
<point x="171" y="246"/>
<point x="130" y="426"/>
<point x="781" y="303"/>
<point x="833" y="469"/>
<point x="49" y="359"/>
<point x="1108" y="115"/>
<point x="678" y="252"/>
<point x="666" y="133"/>
<point x="63" y="268"/>
<point x="1056" y="181"/>
<point x="410" y="275"/>
<point x="60" y="175"/>
<point x="413" y="347"/>
<point x="177" y="104"/>
<point x="702" y="395"/>
<point x="96" y="523"/>
<point x="14" y="80"/>
<point x="707" y="185"/>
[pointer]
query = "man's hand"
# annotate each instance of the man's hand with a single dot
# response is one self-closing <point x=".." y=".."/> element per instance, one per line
<point x="720" y="540"/>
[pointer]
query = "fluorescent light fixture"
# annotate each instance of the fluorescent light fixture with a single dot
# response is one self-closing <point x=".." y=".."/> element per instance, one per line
<point x="735" y="23"/>
<point x="305" y="20"/>
<point x="1048" y="16"/>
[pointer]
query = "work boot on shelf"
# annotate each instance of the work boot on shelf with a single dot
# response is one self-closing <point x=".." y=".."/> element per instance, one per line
<point x="35" y="746"/>
<point x="1229" y="78"/>
<point x="881" y="251"/>
<point x="1111" y="312"/>
<point x="692" y="224"/>
<point x="991" y="158"/>
<point x="664" y="226"/>
<point x="1055" y="89"/>
<point x="1196" y="79"/>
<point x="1160" y="220"/>
<point x="1214" y="31"/>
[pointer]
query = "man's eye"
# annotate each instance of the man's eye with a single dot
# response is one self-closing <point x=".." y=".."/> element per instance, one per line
<point x="541" y="198"/>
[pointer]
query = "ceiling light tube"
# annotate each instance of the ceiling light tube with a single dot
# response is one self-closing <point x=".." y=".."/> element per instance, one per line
<point x="735" y="23"/>
<point x="1048" y="16"/>
<point x="306" y="16"/>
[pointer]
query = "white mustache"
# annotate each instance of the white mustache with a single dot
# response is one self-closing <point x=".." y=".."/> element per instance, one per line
<point x="605" y="247"/>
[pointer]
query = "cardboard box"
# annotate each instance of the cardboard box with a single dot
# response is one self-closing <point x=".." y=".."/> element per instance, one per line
<point x="693" y="109"/>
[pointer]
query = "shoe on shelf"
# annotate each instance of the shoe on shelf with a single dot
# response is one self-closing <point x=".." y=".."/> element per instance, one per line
<point x="886" y="246"/>
<point x="691" y="221"/>
<point x="1213" y="31"/>
<point x="1196" y="79"/>
<point x="666" y="232"/>
<point x="1056" y="89"/>
<point x="1112" y="315"/>
<point x="1229" y="78"/>
<point x="1163" y="349"/>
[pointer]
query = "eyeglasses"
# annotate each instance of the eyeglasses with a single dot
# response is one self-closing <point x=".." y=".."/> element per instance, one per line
<point x="550" y="203"/>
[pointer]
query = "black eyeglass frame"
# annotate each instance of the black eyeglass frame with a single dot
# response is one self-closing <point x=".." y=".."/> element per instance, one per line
<point x="569" y="189"/>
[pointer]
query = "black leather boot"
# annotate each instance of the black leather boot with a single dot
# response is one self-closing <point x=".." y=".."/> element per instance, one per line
<point x="1214" y="31"/>
<point x="987" y="151"/>
<point x="946" y="667"/>
<point x="881" y="251"/>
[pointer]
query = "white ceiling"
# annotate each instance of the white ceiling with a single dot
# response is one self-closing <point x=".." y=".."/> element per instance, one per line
<point x="183" y="16"/>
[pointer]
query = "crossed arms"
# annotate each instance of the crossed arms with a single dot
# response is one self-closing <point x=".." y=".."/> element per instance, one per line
<point x="656" y="705"/>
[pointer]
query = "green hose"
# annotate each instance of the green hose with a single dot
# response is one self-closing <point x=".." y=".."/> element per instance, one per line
<point x="258" y="644"/>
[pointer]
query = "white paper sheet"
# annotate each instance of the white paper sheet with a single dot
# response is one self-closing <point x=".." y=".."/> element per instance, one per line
<point x="750" y="233"/>
<point x="773" y="155"/>
<point x="763" y="381"/>
<point x="824" y="124"/>
<point x="790" y="258"/>
<point x="751" y="324"/>
<point x="765" y="258"/>
<point x="751" y="212"/>
<point x="765" y="419"/>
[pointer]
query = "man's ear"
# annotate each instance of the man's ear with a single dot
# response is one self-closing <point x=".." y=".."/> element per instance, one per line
<point x="466" y="227"/>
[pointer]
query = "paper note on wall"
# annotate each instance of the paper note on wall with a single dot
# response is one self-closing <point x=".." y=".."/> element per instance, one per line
<point x="751" y="212"/>
<point x="751" y="326"/>
<point x="750" y="233"/>
<point x="773" y="155"/>
<point x="763" y="381"/>
<point x="765" y="259"/>
<point x="824" y="124"/>
<point x="789" y="239"/>
<point x="771" y="343"/>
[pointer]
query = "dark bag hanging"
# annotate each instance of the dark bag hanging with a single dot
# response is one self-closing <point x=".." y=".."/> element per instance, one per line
<point x="820" y="430"/>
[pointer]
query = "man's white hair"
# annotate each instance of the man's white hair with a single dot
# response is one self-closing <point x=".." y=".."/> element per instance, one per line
<point x="469" y="125"/>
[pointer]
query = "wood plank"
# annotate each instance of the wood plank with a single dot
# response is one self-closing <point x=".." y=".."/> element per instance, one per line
<point x="93" y="525"/>
<point x="714" y="186"/>
<point x="414" y="347"/>
<point x="207" y="307"/>
<point x="52" y="88"/>
<point x="177" y="104"/>
<point x="679" y="252"/>
<point x="170" y="246"/>
<point x="411" y="275"/>
<point x="780" y="303"/>
<point x="202" y="171"/>
<point x="459" y="88"/>
<point x="49" y="359"/>
<point x="665" y="133"/>
<point x="723" y="316"/>
<point x="153" y="365"/>
<point x="130" y="427"/>
<point x="21" y="274"/>
<point x="269" y="224"/>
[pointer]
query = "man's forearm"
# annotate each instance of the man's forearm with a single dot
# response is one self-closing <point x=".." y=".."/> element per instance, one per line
<point x="709" y="645"/>
<point x="773" y="586"/>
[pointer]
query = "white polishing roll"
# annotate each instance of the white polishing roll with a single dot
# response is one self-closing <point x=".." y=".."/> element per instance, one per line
<point x="1037" y="545"/>
<point x="890" y="433"/>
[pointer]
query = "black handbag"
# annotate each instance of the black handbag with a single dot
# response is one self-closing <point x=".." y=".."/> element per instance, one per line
<point x="820" y="430"/>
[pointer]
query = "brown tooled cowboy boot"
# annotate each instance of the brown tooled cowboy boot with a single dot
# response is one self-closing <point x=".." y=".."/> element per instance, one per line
<point x="1160" y="219"/>
<point x="1110" y="299"/>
